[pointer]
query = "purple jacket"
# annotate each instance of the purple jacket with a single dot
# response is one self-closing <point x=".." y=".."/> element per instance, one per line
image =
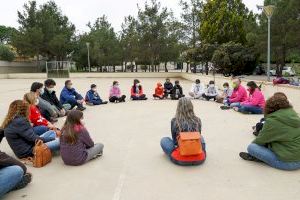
<point x="75" y="154"/>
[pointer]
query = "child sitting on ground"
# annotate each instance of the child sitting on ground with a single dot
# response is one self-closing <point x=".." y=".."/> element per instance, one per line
<point x="92" y="97"/>
<point x="115" y="93"/>
<point x="137" y="91"/>
<point x="76" y="145"/>
<point x="168" y="86"/>
<point x="177" y="91"/>
<point x="227" y="92"/>
<point x="159" y="91"/>
<point x="211" y="91"/>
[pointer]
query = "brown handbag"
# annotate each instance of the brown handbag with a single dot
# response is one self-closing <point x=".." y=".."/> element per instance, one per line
<point x="41" y="155"/>
<point x="189" y="143"/>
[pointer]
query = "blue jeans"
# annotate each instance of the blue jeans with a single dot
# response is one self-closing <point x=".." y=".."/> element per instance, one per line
<point x="9" y="178"/>
<point x="168" y="146"/>
<point x="251" y="109"/>
<point x="269" y="157"/>
<point x="236" y="104"/>
<point x="53" y="145"/>
<point x="39" y="130"/>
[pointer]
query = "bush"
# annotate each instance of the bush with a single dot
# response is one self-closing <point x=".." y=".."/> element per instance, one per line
<point x="234" y="58"/>
<point x="6" y="54"/>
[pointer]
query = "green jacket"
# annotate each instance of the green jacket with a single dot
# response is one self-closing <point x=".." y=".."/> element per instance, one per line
<point x="281" y="133"/>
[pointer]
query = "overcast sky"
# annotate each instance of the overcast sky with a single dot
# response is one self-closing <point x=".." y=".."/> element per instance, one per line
<point x="81" y="12"/>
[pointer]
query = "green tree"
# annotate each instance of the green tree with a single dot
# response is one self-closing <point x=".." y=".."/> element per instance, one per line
<point x="206" y="52"/>
<point x="223" y="21"/>
<point x="190" y="16"/>
<point x="130" y="41"/>
<point x="285" y="31"/>
<point x="6" y="34"/>
<point x="45" y="31"/>
<point x="6" y="54"/>
<point x="105" y="48"/>
<point x="234" y="58"/>
<point x="153" y="31"/>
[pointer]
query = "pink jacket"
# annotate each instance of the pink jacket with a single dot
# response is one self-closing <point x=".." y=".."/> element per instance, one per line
<point x="255" y="99"/>
<point x="238" y="95"/>
<point x="114" y="92"/>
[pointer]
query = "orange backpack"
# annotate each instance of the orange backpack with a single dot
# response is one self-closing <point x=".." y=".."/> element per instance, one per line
<point x="189" y="143"/>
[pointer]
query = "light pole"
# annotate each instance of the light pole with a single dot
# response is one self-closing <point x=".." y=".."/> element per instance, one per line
<point x="268" y="10"/>
<point x="88" y="48"/>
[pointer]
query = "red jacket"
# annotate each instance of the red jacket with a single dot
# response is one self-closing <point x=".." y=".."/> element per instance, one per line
<point x="134" y="93"/>
<point x="36" y="117"/>
<point x="159" y="90"/>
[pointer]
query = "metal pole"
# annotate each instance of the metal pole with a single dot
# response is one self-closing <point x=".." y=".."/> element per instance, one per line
<point x="89" y="63"/>
<point x="269" y="48"/>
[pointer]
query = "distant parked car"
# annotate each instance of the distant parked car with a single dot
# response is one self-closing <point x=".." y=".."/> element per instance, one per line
<point x="199" y="69"/>
<point x="286" y="71"/>
<point x="259" y="70"/>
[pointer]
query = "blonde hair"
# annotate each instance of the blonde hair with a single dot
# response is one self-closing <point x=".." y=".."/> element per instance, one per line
<point x="30" y="98"/>
<point x="16" y="108"/>
<point x="186" y="120"/>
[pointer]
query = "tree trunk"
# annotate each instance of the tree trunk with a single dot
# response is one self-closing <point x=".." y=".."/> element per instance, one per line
<point x="187" y="67"/>
<point x="166" y="68"/>
<point x="206" y="68"/>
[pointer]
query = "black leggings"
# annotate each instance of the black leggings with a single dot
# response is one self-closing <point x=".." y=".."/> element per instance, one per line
<point x="176" y="97"/>
<point x="117" y="99"/>
<point x="142" y="97"/>
<point x="209" y="97"/>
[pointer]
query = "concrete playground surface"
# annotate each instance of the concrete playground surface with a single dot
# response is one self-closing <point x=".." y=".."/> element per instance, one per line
<point x="134" y="167"/>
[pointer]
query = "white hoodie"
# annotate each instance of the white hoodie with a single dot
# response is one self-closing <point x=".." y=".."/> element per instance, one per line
<point x="198" y="89"/>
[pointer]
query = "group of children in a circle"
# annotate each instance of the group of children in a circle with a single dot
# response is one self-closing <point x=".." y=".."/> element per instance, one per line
<point x="32" y="118"/>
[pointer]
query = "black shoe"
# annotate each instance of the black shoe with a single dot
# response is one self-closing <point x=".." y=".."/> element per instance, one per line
<point x="104" y="102"/>
<point x="89" y="104"/>
<point x="247" y="156"/>
<point x="81" y="108"/>
<point x="24" y="182"/>
<point x="225" y="107"/>
<point x="256" y="133"/>
<point x="53" y="120"/>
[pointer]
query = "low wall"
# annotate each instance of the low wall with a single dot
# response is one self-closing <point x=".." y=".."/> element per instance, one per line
<point x="18" y="67"/>
<point x="127" y="75"/>
<point x="268" y="88"/>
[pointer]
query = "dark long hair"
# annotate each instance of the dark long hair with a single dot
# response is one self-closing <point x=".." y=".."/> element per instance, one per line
<point x="70" y="134"/>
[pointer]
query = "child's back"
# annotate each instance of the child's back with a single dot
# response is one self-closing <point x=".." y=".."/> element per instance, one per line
<point x="76" y="154"/>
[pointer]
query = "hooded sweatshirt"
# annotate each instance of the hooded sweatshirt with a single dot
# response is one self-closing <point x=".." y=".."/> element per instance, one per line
<point x="281" y="133"/>
<point x="159" y="90"/>
<point x="255" y="99"/>
<point x="239" y="94"/>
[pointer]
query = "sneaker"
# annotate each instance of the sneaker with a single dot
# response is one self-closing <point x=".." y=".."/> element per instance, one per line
<point x="89" y="104"/>
<point x="53" y="120"/>
<point x="24" y="182"/>
<point x="256" y="133"/>
<point x="247" y="156"/>
<point x="81" y="108"/>
<point x="104" y="102"/>
<point x="225" y="107"/>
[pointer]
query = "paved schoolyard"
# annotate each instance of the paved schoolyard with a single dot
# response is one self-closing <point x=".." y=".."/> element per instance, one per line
<point x="133" y="166"/>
